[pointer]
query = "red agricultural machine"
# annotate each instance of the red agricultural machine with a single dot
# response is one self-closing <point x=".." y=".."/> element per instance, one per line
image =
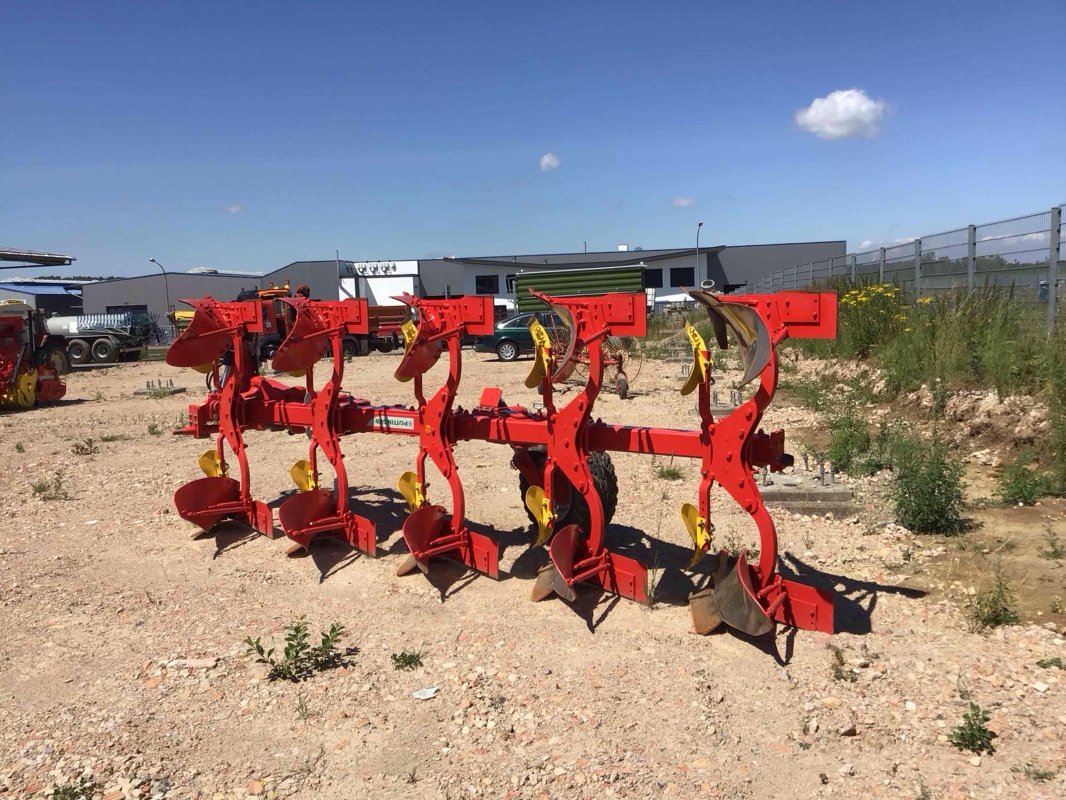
<point x="28" y="365"/>
<point x="560" y="450"/>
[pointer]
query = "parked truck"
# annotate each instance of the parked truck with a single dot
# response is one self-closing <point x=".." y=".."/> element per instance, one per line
<point x="103" y="338"/>
<point x="30" y="367"/>
<point x="385" y="324"/>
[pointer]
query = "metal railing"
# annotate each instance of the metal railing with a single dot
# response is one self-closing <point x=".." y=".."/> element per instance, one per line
<point x="1020" y="255"/>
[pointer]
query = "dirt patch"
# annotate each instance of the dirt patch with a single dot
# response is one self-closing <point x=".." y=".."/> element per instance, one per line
<point x="123" y="657"/>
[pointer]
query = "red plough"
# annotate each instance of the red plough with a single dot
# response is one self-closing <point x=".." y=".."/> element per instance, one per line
<point x="313" y="511"/>
<point x="561" y="452"/>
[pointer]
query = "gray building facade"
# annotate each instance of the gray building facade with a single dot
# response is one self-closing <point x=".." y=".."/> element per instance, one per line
<point x="666" y="272"/>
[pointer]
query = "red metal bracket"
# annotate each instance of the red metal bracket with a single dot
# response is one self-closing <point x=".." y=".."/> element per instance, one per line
<point x="429" y="531"/>
<point x="308" y="514"/>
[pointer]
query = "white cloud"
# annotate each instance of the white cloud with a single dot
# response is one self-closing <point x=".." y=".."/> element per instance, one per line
<point x="549" y="162"/>
<point x="843" y="114"/>
<point x="234" y="209"/>
<point x="873" y="244"/>
<point x="682" y="201"/>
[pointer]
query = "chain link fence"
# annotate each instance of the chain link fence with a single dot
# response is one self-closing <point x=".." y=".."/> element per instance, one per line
<point x="1020" y="256"/>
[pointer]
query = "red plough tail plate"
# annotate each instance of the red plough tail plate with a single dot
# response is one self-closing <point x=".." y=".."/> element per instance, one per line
<point x="616" y="573"/>
<point x="208" y="501"/>
<point x="806" y="607"/>
<point x="421" y="528"/>
<point x="426" y="534"/>
<point x="309" y="514"/>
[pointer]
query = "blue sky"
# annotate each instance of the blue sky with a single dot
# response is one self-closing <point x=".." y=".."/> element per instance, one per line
<point x="245" y="136"/>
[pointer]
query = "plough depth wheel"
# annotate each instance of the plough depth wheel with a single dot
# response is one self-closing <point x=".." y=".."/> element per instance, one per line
<point x="571" y="508"/>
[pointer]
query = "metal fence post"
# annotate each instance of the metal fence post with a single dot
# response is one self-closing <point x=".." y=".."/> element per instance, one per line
<point x="971" y="256"/>
<point x="918" y="267"/>
<point x="1055" y="232"/>
<point x="881" y="267"/>
<point x="854" y="260"/>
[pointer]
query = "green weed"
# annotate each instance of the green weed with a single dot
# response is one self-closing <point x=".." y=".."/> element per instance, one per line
<point x="973" y="734"/>
<point x="839" y="667"/>
<point x="1019" y="483"/>
<point x="19" y="448"/>
<point x="1048" y="663"/>
<point x="668" y="472"/>
<point x="85" y="447"/>
<point x="1035" y="773"/>
<point x="1055" y="551"/>
<point x="155" y="430"/>
<point x="84" y="789"/>
<point x="993" y="608"/>
<point x="928" y="487"/>
<point x="51" y="489"/>
<point x="407" y="659"/>
<point x="299" y="659"/>
<point x="115" y="437"/>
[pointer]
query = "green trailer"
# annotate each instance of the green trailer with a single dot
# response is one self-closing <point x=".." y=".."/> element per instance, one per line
<point x="623" y="353"/>
<point x="575" y="283"/>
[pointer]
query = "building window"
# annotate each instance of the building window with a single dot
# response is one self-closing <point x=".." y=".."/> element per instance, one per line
<point x="511" y="284"/>
<point x="486" y="284"/>
<point x="653" y="279"/>
<point x="682" y="276"/>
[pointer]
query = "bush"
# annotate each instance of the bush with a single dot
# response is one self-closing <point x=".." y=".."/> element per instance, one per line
<point x="928" y="488"/>
<point x="973" y="734"/>
<point x="849" y="440"/>
<point x="299" y="659"/>
<point x="1020" y="483"/>
<point x="992" y="609"/>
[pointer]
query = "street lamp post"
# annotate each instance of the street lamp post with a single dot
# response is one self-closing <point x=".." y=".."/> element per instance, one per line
<point x="699" y="283"/>
<point x="166" y="289"/>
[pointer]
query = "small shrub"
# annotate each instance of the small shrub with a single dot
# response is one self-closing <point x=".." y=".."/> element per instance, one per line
<point x="159" y="393"/>
<point x="839" y="667"/>
<point x="1035" y="773"/>
<point x="1055" y="551"/>
<point x="299" y="660"/>
<point x="19" y="447"/>
<point x="84" y="789"/>
<point x="973" y="734"/>
<point x="407" y="660"/>
<point x="155" y="430"/>
<point x="85" y="447"/>
<point x="928" y="487"/>
<point x="52" y="489"/>
<point x="1048" y="663"/>
<point x="992" y="608"/>
<point x="668" y="472"/>
<point x="849" y="440"/>
<point x="115" y="437"/>
<point x="1019" y="483"/>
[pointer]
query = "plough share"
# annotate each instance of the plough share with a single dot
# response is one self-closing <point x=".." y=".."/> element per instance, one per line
<point x="554" y="447"/>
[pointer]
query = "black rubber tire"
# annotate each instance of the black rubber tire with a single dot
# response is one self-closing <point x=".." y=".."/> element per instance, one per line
<point x="384" y="345"/>
<point x="507" y="350"/>
<point x="267" y="350"/>
<point x="78" y="351"/>
<point x="623" y="387"/>
<point x="353" y="348"/>
<point x="54" y="356"/>
<point x="104" y="351"/>
<point x="603" y="477"/>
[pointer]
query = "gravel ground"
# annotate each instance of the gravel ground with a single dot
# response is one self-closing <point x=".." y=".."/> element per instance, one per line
<point x="123" y="661"/>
